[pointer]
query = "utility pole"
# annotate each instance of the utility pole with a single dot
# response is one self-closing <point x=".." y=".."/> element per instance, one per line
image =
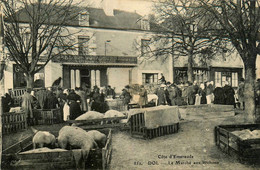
<point x="2" y="64"/>
<point x="2" y="53"/>
<point x="172" y="52"/>
<point x="107" y="41"/>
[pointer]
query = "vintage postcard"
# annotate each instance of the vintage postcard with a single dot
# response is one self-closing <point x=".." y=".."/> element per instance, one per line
<point x="130" y="84"/>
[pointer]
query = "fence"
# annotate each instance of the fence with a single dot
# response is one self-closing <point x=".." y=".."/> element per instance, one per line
<point x="13" y="122"/>
<point x="47" y="116"/>
<point x="17" y="94"/>
<point x="138" y="129"/>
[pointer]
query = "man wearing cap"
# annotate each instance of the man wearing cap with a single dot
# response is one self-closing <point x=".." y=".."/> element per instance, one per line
<point x="161" y="95"/>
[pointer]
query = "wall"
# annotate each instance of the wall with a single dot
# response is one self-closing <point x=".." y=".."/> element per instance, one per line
<point x="52" y="72"/>
<point x="160" y="65"/>
<point x="8" y="76"/>
<point x="118" y="77"/>
<point x="122" y="43"/>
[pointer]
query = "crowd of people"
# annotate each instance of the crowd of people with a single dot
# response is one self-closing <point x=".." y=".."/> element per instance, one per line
<point x="73" y="103"/>
<point x="195" y="94"/>
<point x="204" y="93"/>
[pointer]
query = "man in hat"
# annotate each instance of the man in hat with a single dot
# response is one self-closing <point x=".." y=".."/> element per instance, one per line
<point x="168" y="100"/>
<point x="190" y="94"/>
<point x="161" y="95"/>
<point x="229" y="94"/>
<point x="219" y="96"/>
<point x="75" y="110"/>
<point x="143" y="99"/>
<point x="126" y="96"/>
<point x="83" y="99"/>
<point x="110" y="93"/>
<point x="162" y="79"/>
<point x="41" y="96"/>
<point x="27" y="101"/>
<point x="173" y="94"/>
<point x="240" y="92"/>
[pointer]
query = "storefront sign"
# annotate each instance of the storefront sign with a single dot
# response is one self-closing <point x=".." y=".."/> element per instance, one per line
<point x="95" y="59"/>
<point x="226" y="74"/>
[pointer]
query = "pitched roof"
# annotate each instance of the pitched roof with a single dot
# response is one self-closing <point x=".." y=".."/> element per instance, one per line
<point x="97" y="18"/>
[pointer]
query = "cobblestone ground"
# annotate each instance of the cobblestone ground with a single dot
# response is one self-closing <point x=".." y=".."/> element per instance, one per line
<point x="194" y="139"/>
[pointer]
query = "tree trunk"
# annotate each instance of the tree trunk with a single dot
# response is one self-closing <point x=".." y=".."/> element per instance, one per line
<point x="249" y="93"/>
<point x="29" y="80"/>
<point x="1" y="128"/>
<point x="190" y="70"/>
<point x="173" y="69"/>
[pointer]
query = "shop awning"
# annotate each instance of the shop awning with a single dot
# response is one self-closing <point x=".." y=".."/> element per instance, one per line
<point x="85" y="60"/>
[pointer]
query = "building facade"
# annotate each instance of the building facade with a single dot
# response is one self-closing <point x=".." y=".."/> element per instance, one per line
<point x="108" y="53"/>
<point x="224" y="67"/>
<point x="112" y="51"/>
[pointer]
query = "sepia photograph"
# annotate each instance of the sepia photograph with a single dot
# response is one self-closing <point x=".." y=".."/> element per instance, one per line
<point x="129" y="84"/>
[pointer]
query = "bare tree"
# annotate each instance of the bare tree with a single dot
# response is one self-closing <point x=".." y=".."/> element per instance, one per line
<point x="185" y="30"/>
<point x="35" y="31"/>
<point x="240" y="20"/>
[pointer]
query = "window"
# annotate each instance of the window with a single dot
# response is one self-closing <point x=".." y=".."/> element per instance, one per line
<point x="144" y="23"/>
<point x="234" y="80"/>
<point x="200" y="75"/>
<point x="20" y="81"/>
<point x="230" y="77"/>
<point x="27" y="38"/>
<point x="83" y="45"/>
<point x="19" y="77"/>
<point x="148" y="78"/>
<point x="217" y="77"/>
<point x="144" y="46"/>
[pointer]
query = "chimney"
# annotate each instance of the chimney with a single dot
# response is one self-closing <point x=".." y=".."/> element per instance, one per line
<point x="84" y="18"/>
<point x="108" y="7"/>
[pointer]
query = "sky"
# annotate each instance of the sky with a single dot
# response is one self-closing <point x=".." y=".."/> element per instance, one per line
<point x="142" y="7"/>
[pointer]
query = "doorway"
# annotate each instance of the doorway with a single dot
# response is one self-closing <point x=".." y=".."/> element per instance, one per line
<point x="85" y="77"/>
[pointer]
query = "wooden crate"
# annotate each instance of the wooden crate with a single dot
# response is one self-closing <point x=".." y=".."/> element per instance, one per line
<point x="47" y="116"/>
<point x="9" y="154"/>
<point x="13" y="122"/>
<point x="98" y="158"/>
<point x="100" y="123"/>
<point x="246" y="151"/>
<point x="138" y="129"/>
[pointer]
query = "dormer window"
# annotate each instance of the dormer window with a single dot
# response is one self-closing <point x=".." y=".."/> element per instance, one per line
<point x="144" y="23"/>
<point x="84" y="18"/>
